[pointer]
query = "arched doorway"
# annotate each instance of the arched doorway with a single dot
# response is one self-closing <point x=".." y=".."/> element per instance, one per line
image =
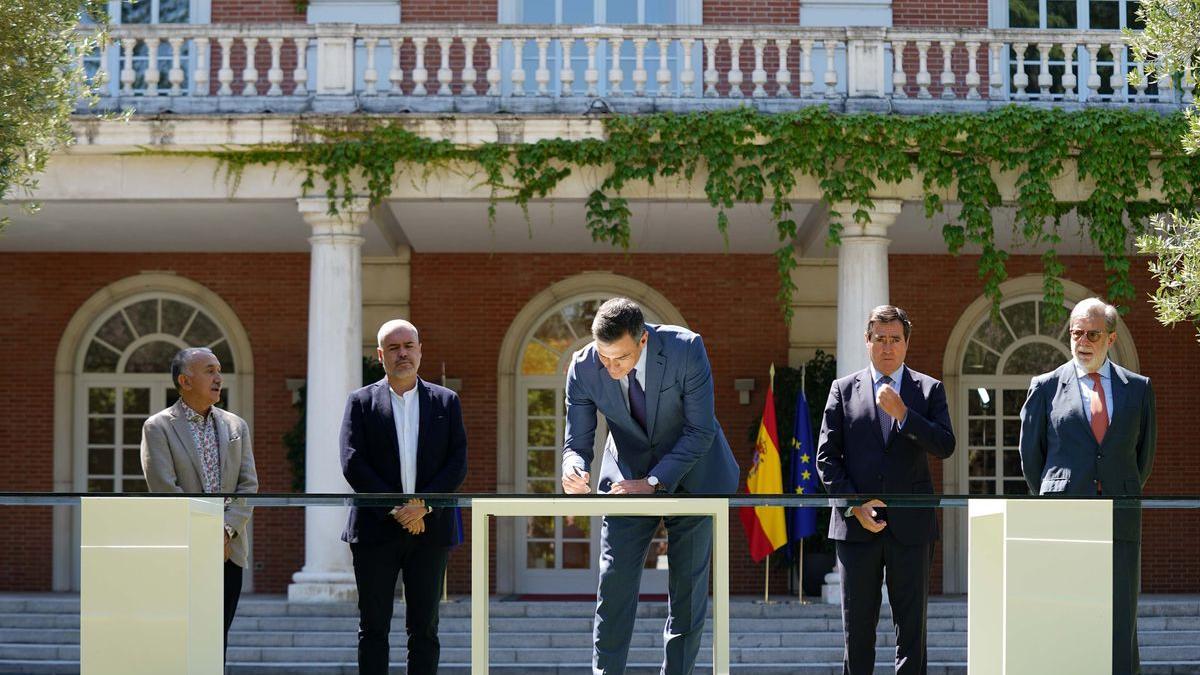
<point x="113" y="371"/>
<point x="990" y="361"/>
<point x="554" y="555"/>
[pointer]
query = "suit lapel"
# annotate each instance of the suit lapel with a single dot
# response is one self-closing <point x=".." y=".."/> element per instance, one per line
<point x="1071" y="399"/>
<point x="180" y="424"/>
<point x="425" y="413"/>
<point x="222" y="426"/>
<point x="910" y="392"/>
<point x="381" y="401"/>
<point x="1120" y="387"/>
<point x="864" y="391"/>
<point x="656" y="364"/>
<point x="614" y="406"/>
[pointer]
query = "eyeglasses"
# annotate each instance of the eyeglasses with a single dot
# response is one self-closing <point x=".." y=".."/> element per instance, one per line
<point x="1092" y="335"/>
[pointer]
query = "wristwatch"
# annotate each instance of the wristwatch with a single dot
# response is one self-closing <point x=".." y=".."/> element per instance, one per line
<point x="656" y="484"/>
<point x="849" y="511"/>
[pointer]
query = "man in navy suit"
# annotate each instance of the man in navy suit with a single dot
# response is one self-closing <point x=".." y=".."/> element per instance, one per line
<point x="879" y="427"/>
<point x="654" y="386"/>
<point x="1088" y="428"/>
<point x="401" y="434"/>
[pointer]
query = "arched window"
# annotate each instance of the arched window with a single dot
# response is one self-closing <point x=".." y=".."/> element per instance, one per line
<point x="1003" y="353"/>
<point x="123" y="377"/>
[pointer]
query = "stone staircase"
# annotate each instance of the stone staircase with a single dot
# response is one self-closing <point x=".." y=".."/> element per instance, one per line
<point x="39" y="633"/>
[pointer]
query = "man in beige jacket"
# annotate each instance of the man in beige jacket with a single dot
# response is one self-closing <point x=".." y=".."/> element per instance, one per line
<point x="195" y="447"/>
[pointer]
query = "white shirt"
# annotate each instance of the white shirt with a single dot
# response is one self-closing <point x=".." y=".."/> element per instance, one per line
<point x="641" y="376"/>
<point x="897" y="380"/>
<point x="406" y="409"/>
<point x="1087" y="388"/>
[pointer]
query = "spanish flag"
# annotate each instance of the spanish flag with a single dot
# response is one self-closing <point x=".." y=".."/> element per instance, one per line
<point x="765" y="526"/>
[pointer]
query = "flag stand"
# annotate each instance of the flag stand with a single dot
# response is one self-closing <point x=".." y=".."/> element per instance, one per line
<point x="800" y="574"/>
<point x="767" y="580"/>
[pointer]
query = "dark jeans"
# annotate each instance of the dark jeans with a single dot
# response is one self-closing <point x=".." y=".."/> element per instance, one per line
<point x="376" y="568"/>
<point x="233" y="592"/>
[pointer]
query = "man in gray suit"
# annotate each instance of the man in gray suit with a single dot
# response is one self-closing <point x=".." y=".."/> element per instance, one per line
<point x="1088" y="428"/>
<point x="195" y="447"/>
<point x="653" y="384"/>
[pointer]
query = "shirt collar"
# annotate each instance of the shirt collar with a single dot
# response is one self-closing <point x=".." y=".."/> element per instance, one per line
<point x="1104" y="370"/>
<point x="192" y="415"/>
<point x="641" y="364"/>
<point x="896" y="376"/>
<point x="405" y="398"/>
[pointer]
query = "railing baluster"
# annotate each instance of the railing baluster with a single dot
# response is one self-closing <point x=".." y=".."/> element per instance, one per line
<point x="153" y="74"/>
<point x="420" y="75"/>
<point x="734" y="77"/>
<point x="1093" y="81"/>
<point x="127" y="73"/>
<point x="1141" y="85"/>
<point x="972" y="71"/>
<point x="518" y="71"/>
<point x="710" y="67"/>
<point x="831" y="75"/>
<point x="566" y="71"/>
<point x="639" y="66"/>
<point x="1045" y="80"/>
<point x="807" y="76"/>
<point x="395" y="73"/>
<point x="663" y="74"/>
<point x="1118" y="81"/>
<point x="1020" y="77"/>
<point x="275" y="74"/>
<point x="469" y="74"/>
<point x="616" y="74"/>
<point x="370" y="74"/>
<point x="444" y="75"/>
<point x="250" y="73"/>
<point x="300" y="74"/>
<point x="591" y="76"/>
<point x="783" y="77"/>
<point x="947" y="78"/>
<point x="493" y="71"/>
<point x="1069" y="79"/>
<point x="1188" y="84"/>
<point x="759" y="75"/>
<point x="200" y="73"/>
<point x="175" y="75"/>
<point x="899" y="77"/>
<point x="995" y="75"/>
<point x="687" y="75"/>
<point x="924" y="79"/>
<point x="542" y="74"/>
<point x="1165" y="90"/>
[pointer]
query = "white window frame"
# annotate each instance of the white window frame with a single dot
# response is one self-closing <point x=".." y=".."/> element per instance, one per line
<point x="199" y="12"/>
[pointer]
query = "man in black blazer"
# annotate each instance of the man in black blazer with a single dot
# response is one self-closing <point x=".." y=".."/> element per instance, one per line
<point x="878" y="428"/>
<point x="401" y="434"/>
<point x="1088" y="428"/>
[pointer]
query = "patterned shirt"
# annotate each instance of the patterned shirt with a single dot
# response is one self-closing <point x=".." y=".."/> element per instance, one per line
<point x="204" y="433"/>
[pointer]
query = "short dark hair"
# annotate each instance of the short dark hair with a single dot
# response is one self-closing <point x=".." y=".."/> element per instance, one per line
<point x="888" y="314"/>
<point x="179" y="364"/>
<point x="617" y="318"/>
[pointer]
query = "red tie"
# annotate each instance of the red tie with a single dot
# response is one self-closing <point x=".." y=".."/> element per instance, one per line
<point x="1099" y="408"/>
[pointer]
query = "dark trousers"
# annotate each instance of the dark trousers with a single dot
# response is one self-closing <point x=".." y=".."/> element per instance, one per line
<point x="233" y="592"/>
<point x="376" y="568"/>
<point x="861" y="566"/>
<point x="1127" y="577"/>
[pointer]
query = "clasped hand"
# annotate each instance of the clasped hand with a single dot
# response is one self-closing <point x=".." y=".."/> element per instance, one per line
<point x="411" y="516"/>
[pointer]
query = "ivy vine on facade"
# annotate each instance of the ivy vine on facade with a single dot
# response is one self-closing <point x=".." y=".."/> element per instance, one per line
<point x="751" y="157"/>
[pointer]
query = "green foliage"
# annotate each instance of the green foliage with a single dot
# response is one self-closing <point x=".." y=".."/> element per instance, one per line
<point x="296" y="438"/>
<point x="1171" y="43"/>
<point x="745" y="156"/>
<point x="40" y="83"/>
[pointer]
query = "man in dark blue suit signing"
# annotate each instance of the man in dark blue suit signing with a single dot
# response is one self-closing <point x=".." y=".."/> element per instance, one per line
<point x="401" y="434"/>
<point x="1088" y="428"/>
<point x="653" y="384"/>
<point x="880" y="426"/>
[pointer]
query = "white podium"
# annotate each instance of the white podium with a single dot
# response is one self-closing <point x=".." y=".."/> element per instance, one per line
<point x="1039" y="587"/>
<point x="151" y="598"/>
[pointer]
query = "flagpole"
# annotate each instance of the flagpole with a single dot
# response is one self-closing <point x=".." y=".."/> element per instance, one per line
<point x="800" y="571"/>
<point x="767" y="580"/>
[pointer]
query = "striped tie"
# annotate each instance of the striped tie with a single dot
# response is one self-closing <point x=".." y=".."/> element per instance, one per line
<point x="885" y="420"/>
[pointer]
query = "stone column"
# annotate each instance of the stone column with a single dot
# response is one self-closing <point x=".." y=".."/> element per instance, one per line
<point x="862" y="286"/>
<point x="862" y="279"/>
<point x="334" y="370"/>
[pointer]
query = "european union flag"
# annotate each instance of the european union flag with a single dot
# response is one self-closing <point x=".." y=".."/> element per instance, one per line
<point x="802" y="521"/>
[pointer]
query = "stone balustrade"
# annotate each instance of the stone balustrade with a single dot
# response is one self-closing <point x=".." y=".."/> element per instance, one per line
<point x="518" y="68"/>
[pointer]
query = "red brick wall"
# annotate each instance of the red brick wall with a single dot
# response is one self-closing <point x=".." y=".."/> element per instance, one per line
<point x="1169" y="563"/>
<point x="763" y="11"/>
<point x="449" y="11"/>
<point x="940" y="13"/>
<point x="464" y="305"/>
<point x="269" y="294"/>
<point x="256" y="11"/>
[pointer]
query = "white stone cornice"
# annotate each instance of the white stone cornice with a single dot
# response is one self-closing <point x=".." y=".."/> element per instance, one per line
<point x="883" y="215"/>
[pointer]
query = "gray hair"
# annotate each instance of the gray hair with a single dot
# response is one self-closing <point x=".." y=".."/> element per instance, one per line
<point x="616" y="318"/>
<point x="389" y="326"/>
<point x="1095" y="307"/>
<point x="181" y="364"/>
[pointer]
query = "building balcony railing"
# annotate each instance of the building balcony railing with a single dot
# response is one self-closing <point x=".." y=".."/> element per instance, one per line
<point x="257" y="68"/>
